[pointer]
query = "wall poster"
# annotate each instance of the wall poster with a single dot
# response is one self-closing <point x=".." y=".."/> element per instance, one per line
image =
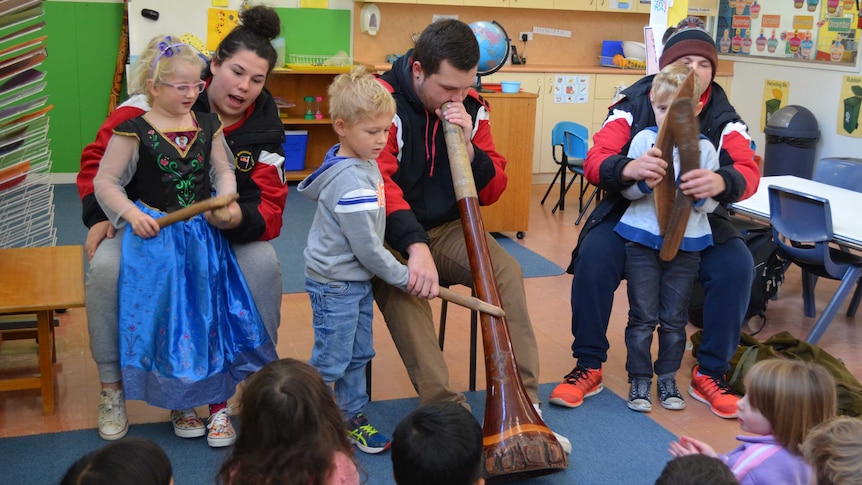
<point x="805" y="31"/>
<point x="849" y="106"/>
<point x="775" y="94"/>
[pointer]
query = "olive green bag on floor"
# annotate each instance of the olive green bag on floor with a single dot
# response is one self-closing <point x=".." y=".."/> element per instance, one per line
<point x="785" y="345"/>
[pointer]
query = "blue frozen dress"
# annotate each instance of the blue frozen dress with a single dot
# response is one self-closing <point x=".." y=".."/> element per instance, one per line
<point x="189" y="328"/>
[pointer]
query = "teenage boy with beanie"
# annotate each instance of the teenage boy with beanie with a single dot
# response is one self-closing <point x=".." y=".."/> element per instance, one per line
<point x="726" y="269"/>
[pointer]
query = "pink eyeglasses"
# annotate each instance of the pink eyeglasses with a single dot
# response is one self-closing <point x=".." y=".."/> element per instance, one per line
<point x="184" y="87"/>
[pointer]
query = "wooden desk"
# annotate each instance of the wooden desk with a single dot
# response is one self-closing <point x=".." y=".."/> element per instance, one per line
<point x="843" y="203"/>
<point x="513" y="124"/>
<point x="41" y="280"/>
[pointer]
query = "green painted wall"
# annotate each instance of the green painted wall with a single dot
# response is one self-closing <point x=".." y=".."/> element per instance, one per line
<point x="82" y="52"/>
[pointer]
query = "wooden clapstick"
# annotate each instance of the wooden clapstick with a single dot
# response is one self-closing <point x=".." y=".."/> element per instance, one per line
<point x="470" y="302"/>
<point x="197" y="208"/>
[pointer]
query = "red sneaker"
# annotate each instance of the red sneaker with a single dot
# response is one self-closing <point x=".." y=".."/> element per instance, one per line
<point x="714" y="392"/>
<point x="577" y="385"/>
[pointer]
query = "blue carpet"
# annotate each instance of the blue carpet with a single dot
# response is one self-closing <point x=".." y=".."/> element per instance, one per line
<point x="611" y="444"/>
<point x="298" y="213"/>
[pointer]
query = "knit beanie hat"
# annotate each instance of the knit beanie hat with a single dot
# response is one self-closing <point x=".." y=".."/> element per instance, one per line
<point x="686" y="42"/>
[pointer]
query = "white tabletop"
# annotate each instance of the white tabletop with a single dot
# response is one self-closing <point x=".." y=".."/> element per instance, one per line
<point x="846" y="205"/>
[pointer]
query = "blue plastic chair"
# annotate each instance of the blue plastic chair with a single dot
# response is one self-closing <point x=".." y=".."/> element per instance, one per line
<point x="846" y="173"/>
<point x="840" y="172"/>
<point x="572" y="140"/>
<point x="802" y="228"/>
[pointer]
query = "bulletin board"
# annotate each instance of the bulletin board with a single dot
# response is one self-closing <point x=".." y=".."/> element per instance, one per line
<point x="807" y="32"/>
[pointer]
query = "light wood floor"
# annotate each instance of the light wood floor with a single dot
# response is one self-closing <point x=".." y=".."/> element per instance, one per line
<point x="551" y="235"/>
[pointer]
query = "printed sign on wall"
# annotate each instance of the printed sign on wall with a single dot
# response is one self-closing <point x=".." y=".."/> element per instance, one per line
<point x="848" y="107"/>
<point x="774" y="97"/>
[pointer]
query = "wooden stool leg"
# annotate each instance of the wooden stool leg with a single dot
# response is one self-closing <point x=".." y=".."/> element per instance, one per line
<point x="45" y="324"/>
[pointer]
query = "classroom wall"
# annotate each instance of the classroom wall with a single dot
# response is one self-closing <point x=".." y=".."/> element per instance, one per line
<point x="813" y="88"/>
<point x="82" y="49"/>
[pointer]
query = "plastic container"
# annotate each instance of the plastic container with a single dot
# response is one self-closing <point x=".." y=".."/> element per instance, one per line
<point x="510" y="86"/>
<point x="295" y="145"/>
<point x="791" y="138"/>
<point x="610" y="48"/>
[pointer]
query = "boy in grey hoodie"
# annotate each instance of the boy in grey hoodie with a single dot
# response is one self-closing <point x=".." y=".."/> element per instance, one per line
<point x="345" y="246"/>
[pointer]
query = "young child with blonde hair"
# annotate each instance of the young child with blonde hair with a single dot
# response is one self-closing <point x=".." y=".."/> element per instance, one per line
<point x="345" y="246"/>
<point x="659" y="291"/>
<point x="784" y="399"/>
<point x="189" y="328"/>
<point x="834" y="450"/>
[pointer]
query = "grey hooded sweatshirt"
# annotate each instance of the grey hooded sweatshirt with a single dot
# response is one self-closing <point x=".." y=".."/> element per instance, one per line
<point x="345" y="242"/>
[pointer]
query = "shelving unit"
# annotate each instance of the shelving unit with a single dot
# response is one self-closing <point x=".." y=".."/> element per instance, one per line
<point x="294" y="85"/>
<point x="26" y="192"/>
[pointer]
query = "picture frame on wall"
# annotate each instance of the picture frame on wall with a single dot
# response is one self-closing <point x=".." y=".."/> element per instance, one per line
<point x="821" y="33"/>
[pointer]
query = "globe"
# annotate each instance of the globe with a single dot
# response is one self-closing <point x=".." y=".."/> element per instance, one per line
<point x="493" y="46"/>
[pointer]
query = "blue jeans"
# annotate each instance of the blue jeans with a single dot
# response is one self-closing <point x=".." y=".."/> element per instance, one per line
<point x="659" y="292"/>
<point x="343" y="340"/>
<point x="726" y="271"/>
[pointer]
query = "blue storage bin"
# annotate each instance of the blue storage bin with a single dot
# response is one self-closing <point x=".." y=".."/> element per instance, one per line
<point x="295" y="145"/>
<point x="610" y="48"/>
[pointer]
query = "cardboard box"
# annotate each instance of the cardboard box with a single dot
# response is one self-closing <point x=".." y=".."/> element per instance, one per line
<point x="295" y="145"/>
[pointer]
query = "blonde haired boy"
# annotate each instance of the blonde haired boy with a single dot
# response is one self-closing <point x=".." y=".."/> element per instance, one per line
<point x="659" y="291"/>
<point x="345" y="246"/>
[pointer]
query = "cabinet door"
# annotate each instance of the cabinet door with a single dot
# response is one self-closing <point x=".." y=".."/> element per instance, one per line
<point x="512" y="122"/>
<point x="486" y="3"/>
<point x="532" y="83"/>
<point x="588" y="5"/>
<point x="439" y="2"/>
<point x="542" y="4"/>
<point x="618" y="6"/>
<point x="554" y="111"/>
<point x="606" y="86"/>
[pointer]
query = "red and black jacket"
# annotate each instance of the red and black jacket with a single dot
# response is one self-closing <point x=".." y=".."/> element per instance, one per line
<point x="415" y="164"/>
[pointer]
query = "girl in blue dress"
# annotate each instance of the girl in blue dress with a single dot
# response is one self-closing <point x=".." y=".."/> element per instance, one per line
<point x="189" y="329"/>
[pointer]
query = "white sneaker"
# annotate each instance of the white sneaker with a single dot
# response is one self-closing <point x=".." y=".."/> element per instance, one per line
<point x="221" y="429"/>
<point x="113" y="423"/>
<point x="564" y="442"/>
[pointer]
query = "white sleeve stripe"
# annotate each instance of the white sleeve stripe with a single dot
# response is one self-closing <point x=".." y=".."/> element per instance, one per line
<point x="619" y="114"/>
<point x="275" y="160"/>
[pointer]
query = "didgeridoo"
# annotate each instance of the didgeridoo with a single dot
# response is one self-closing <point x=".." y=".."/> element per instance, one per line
<point x="517" y="444"/>
<point x="679" y="129"/>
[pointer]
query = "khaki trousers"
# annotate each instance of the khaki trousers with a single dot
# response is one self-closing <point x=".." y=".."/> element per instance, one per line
<point x="411" y="323"/>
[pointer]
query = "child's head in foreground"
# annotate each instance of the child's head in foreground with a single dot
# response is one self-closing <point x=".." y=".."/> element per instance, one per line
<point x="786" y="398"/>
<point x="362" y="111"/>
<point x="132" y="461"/>
<point x="291" y="427"/>
<point x="665" y="85"/>
<point x="834" y="451"/>
<point x="696" y="469"/>
<point x="438" y="443"/>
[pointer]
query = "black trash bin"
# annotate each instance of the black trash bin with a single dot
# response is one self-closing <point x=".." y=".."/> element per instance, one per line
<point x="791" y="137"/>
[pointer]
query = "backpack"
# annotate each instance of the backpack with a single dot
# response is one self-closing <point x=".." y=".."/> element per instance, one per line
<point x="783" y="345"/>
<point x="769" y="267"/>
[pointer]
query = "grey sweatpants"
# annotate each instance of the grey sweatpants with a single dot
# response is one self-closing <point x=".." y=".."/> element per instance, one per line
<point x="257" y="260"/>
